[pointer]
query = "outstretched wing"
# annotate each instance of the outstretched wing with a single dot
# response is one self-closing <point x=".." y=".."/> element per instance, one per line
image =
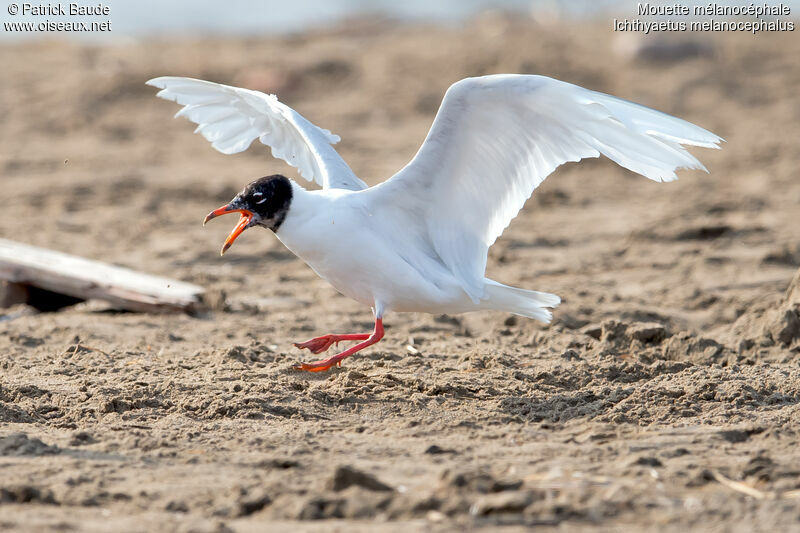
<point x="231" y="118"/>
<point x="496" y="138"/>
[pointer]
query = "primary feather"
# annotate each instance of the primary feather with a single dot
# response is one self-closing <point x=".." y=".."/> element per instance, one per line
<point x="231" y="118"/>
<point x="496" y="138"/>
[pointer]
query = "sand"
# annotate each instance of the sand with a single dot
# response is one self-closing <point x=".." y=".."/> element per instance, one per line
<point x="664" y="395"/>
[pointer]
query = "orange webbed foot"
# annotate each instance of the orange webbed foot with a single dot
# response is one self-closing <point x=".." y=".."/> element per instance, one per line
<point x="318" y="344"/>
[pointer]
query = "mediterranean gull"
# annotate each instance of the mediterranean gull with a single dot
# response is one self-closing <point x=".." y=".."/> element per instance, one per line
<point x="419" y="240"/>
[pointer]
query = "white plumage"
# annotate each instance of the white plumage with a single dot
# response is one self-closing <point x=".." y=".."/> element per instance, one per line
<point x="231" y="118"/>
<point x="496" y="138"/>
<point x="419" y="241"/>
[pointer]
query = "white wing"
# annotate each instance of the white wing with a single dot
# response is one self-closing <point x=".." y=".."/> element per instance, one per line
<point x="231" y="118"/>
<point x="496" y="138"/>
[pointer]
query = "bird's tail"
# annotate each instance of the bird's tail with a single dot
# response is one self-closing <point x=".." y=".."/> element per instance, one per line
<point x="532" y="304"/>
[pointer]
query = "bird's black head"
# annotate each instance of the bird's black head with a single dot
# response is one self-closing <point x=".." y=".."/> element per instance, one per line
<point x="263" y="202"/>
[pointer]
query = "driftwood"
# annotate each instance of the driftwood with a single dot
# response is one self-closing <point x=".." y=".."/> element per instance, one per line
<point x="46" y="270"/>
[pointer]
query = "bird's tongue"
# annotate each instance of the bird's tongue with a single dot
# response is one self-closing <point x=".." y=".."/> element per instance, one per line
<point x="244" y="220"/>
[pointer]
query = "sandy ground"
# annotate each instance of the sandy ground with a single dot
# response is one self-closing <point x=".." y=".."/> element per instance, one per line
<point x="664" y="395"/>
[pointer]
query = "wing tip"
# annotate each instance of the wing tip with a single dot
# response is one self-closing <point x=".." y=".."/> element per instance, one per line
<point x="162" y="81"/>
<point x="172" y="89"/>
<point x="159" y="82"/>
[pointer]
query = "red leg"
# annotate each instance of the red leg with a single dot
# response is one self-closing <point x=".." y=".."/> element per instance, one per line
<point x="320" y="344"/>
<point x="325" y="364"/>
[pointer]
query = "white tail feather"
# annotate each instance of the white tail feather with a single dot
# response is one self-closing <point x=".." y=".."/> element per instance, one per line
<point x="532" y="304"/>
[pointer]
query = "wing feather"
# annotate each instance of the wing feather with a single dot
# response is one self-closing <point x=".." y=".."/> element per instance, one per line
<point x="231" y="118"/>
<point x="496" y="138"/>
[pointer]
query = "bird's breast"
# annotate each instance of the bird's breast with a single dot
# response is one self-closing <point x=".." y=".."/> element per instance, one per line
<point x="369" y="260"/>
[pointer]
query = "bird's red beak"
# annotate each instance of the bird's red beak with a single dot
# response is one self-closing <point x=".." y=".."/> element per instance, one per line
<point x="244" y="220"/>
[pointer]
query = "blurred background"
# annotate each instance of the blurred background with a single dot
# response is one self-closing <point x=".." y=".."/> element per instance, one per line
<point x="253" y="17"/>
<point x="194" y="412"/>
<point x="93" y="163"/>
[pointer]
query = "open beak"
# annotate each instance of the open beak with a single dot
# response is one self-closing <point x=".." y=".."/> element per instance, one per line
<point x="244" y="221"/>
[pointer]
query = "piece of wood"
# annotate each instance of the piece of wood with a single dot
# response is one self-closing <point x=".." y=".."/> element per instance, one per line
<point x="84" y="278"/>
